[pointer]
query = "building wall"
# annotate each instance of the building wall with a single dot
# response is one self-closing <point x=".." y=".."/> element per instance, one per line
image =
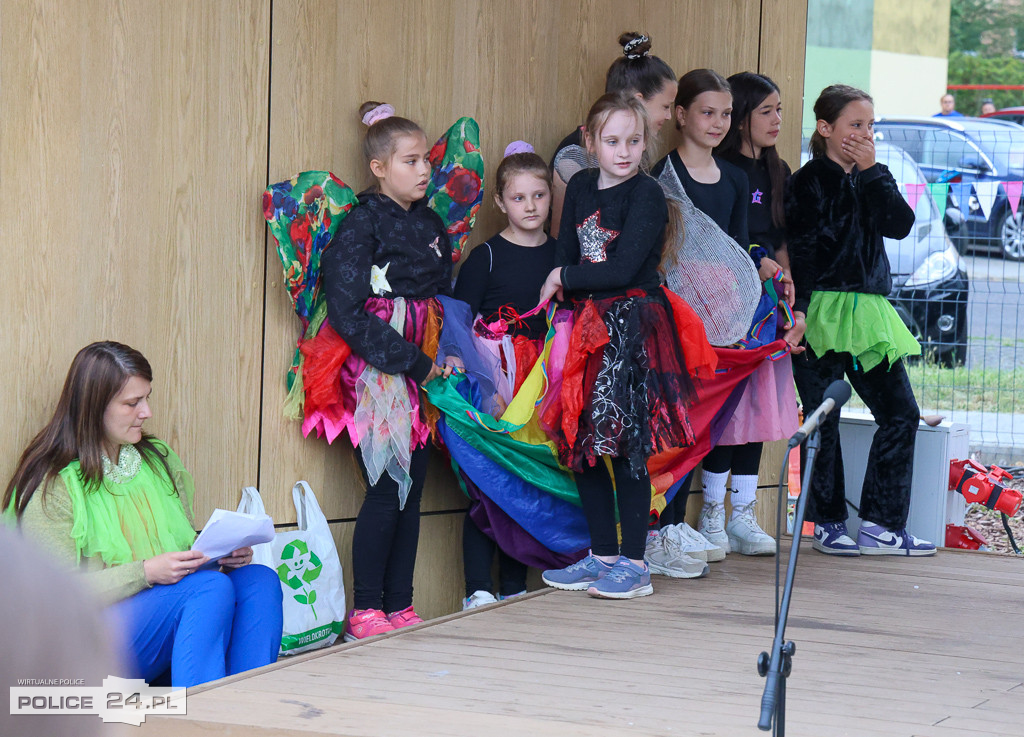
<point x="897" y="50"/>
<point x="137" y="138"/>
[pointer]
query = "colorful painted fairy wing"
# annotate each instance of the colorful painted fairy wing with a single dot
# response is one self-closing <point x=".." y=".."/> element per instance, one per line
<point x="456" y="186"/>
<point x="303" y="214"/>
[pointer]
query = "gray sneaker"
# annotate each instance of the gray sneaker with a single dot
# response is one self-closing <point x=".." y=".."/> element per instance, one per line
<point x="746" y="536"/>
<point x="624" y="581"/>
<point x="712" y="525"/>
<point x="664" y="556"/>
<point x="693" y="543"/>
<point x="578" y="576"/>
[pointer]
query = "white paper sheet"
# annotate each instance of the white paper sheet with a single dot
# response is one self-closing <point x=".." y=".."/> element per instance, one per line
<point x="228" y="531"/>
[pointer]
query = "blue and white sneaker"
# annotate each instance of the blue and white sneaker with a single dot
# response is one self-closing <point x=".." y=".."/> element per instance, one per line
<point x="625" y="580"/>
<point x="874" y="539"/>
<point x="832" y="538"/>
<point x="578" y="576"/>
<point x="505" y="597"/>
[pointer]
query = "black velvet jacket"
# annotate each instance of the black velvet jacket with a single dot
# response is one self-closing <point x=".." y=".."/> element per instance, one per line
<point x="413" y="256"/>
<point x="835" y="223"/>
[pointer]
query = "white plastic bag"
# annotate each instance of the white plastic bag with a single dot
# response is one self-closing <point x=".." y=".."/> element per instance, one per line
<point x="306" y="561"/>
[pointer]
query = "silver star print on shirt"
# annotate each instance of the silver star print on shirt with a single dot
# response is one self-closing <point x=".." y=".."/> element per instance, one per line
<point x="594" y="239"/>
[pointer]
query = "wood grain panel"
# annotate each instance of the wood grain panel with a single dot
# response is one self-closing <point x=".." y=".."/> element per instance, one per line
<point x="783" y="44"/>
<point x="132" y="146"/>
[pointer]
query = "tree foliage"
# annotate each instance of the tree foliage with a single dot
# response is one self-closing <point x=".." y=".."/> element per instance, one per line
<point x="970" y="69"/>
<point x="985" y="27"/>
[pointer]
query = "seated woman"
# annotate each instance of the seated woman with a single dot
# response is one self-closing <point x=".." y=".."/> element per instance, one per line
<point x="102" y="495"/>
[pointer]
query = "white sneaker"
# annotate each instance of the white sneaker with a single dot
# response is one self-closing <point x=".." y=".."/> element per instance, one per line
<point x="664" y="556"/>
<point x="712" y="525"/>
<point x="746" y="536"/>
<point x="693" y="543"/>
<point x="479" y="598"/>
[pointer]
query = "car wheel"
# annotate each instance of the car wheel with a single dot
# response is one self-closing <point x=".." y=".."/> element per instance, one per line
<point x="1011" y="235"/>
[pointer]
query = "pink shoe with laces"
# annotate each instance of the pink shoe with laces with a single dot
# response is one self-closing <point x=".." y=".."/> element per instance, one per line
<point x="405" y="618"/>
<point x="363" y="623"/>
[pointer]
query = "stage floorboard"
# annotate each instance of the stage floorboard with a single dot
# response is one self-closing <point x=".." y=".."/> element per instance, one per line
<point x="884" y="647"/>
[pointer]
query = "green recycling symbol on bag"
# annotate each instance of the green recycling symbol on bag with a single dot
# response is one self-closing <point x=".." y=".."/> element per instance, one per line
<point x="299" y="568"/>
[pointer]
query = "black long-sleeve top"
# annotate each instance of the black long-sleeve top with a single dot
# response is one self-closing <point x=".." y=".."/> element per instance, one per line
<point x="499" y="273"/>
<point x="835" y="223"/>
<point x="725" y="201"/>
<point x="383" y="250"/>
<point x="610" y="240"/>
<point x="761" y="228"/>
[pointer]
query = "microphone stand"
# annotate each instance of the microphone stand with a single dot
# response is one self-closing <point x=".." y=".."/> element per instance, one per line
<point x="777" y="667"/>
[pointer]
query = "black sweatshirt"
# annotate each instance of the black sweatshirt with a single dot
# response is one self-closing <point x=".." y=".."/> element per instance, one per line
<point x="610" y="240"/>
<point x="835" y="223"/>
<point x="499" y="272"/>
<point x="761" y="228"/>
<point x="413" y="256"/>
<point x="725" y="201"/>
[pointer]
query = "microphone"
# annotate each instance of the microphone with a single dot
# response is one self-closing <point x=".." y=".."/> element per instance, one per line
<point x="837" y="394"/>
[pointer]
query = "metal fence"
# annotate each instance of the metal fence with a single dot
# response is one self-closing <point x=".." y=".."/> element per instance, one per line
<point x="957" y="276"/>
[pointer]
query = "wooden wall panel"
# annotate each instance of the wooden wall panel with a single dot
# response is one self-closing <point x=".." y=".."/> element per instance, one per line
<point x="132" y="146"/>
<point x="137" y="137"/>
<point x="783" y="45"/>
<point x="524" y="69"/>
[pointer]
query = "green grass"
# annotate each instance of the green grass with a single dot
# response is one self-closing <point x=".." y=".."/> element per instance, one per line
<point x="946" y="389"/>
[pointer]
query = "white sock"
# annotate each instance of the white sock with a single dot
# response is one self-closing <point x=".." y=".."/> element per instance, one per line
<point x="714" y="487"/>
<point x="744" y="492"/>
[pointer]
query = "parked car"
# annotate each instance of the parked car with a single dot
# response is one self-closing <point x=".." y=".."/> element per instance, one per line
<point x="968" y="150"/>
<point x="1012" y="114"/>
<point x="929" y="276"/>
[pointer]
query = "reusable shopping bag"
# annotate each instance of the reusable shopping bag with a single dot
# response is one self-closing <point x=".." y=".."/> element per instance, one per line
<point x="306" y="561"/>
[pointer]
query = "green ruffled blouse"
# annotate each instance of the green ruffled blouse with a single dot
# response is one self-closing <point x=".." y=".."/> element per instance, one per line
<point x="136" y="513"/>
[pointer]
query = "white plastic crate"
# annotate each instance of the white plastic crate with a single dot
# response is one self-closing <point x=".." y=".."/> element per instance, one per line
<point x="932" y="505"/>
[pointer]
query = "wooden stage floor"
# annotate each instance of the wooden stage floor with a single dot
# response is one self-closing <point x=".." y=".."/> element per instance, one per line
<point x="885" y="646"/>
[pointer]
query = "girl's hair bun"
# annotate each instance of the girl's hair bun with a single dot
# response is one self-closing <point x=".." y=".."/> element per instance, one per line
<point x="634" y="45"/>
<point x="372" y="112"/>
<point x="517" y="147"/>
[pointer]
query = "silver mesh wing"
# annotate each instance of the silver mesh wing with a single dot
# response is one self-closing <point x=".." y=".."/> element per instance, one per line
<point x="709" y="270"/>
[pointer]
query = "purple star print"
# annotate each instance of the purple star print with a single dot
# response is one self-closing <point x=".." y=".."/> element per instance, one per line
<point x="755" y="197"/>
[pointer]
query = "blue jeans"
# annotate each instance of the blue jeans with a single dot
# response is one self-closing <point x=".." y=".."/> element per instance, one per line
<point x="206" y="626"/>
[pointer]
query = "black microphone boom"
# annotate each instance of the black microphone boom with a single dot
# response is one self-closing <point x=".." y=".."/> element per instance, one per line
<point x="837" y="394"/>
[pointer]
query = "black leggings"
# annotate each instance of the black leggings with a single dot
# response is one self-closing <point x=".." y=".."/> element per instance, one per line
<point x="385" y="540"/>
<point x="742" y="460"/>
<point x="885" y="496"/>
<point x="634" y="503"/>
<point x="477" y="554"/>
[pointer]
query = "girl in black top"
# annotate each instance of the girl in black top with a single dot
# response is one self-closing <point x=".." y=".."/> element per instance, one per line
<point x="505" y="273"/>
<point x="388" y="261"/>
<point x="704" y="115"/>
<point x="637" y="72"/>
<point x="625" y="384"/>
<point x="839" y="207"/>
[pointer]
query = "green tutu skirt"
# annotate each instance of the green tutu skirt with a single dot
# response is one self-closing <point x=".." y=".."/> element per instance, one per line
<point x="864" y="325"/>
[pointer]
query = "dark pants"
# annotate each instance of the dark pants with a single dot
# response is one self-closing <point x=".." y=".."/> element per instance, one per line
<point x="385" y="540"/>
<point x="885" y="497"/>
<point x="477" y="554"/>
<point x="742" y="460"/>
<point x="634" y="502"/>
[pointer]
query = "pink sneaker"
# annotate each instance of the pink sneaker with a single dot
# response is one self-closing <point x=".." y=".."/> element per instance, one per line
<point x="405" y="618"/>
<point x="363" y="623"/>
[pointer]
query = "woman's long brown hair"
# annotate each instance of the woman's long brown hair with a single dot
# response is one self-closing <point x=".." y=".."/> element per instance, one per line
<point x="98" y="372"/>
